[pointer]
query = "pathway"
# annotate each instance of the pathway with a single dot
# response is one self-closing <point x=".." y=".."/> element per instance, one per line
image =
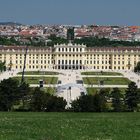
<point x="69" y="89"/>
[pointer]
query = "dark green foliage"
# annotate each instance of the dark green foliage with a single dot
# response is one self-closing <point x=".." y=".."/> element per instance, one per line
<point x="131" y="97"/>
<point x="42" y="101"/>
<point x="2" y="66"/>
<point x="9" y="94"/>
<point x="56" y="104"/>
<point x="56" y="40"/>
<point x="83" y="104"/>
<point x="137" y="68"/>
<point x="117" y="100"/>
<point x="103" y="93"/>
<point x="37" y="100"/>
<point x="95" y="41"/>
<point x="89" y="41"/>
<point x="8" y="41"/>
<point x="90" y="103"/>
<point x="24" y="93"/>
<point x="70" y="34"/>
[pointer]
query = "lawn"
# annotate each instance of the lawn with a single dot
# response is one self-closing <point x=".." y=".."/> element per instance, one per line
<point x="35" y="80"/>
<point x="101" y="73"/>
<point x="92" y="91"/>
<point x="106" y="81"/>
<point x="49" y="90"/>
<point x="69" y="126"/>
<point x="39" y="73"/>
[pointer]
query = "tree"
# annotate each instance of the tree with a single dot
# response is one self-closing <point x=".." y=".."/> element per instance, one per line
<point x="137" y="68"/>
<point x="84" y="103"/>
<point x="2" y="66"/>
<point x="36" y="103"/>
<point x="9" y="94"/>
<point x="103" y="95"/>
<point x="131" y="96"/>
<point x="98" y="103"/>
<point x="117" y="100"/>
<point x="24" y="91"/>
<point x="90" y="103"/>
<point x="42" y="101"/>
<point x="56" y="104"/>
<point x="70" y="34"/>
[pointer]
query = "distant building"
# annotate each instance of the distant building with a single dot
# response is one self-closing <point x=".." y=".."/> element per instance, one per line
<point x="71" y="57"/>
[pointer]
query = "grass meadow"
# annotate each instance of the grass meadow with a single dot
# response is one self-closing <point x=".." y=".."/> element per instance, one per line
<point x="69" y="126"/>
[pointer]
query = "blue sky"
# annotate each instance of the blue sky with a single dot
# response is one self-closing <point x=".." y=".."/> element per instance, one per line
<point x="102" y="12"/>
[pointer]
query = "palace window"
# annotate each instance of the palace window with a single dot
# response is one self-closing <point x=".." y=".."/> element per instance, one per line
<point x="77" y="49"/>
<point x="90" y="62"/>
<point x="73" y="49"/>
<point x="70" y="62"/>
<point x="62" y="62"/>
<point x="73" y="62"/>
<point x="66" y="62"/>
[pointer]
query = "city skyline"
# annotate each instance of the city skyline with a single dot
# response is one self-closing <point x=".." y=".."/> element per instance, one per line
<point x="72" y="12"/>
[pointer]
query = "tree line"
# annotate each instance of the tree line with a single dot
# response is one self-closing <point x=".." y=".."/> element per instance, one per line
<point x="20" y="97"/>
<point x="88" y="41"/>
<point x="103" y="101"/>
<point x="95" y="41"/>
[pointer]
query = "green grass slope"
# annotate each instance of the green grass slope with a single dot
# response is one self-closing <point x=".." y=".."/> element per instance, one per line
<point x="69" y="126"/>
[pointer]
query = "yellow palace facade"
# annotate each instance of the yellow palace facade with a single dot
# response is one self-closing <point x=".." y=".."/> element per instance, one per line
<point x="70" y="57"/>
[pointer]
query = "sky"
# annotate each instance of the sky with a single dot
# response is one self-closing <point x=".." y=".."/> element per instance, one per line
<point x="71" y="12"/>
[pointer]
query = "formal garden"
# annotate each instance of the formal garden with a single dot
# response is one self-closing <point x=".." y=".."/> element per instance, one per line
<point x="93" y="91"/>
<point x="99" y="73"/>
<point x="39" y="73"/>
<point x="35" y="80"/>
<point x="106" y="80"/>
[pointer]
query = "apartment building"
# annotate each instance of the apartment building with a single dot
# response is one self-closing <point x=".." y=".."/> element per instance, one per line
<point x="70" y="57"/>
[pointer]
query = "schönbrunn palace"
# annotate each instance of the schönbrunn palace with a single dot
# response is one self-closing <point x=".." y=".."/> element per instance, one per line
<point x="70" y="57"/>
